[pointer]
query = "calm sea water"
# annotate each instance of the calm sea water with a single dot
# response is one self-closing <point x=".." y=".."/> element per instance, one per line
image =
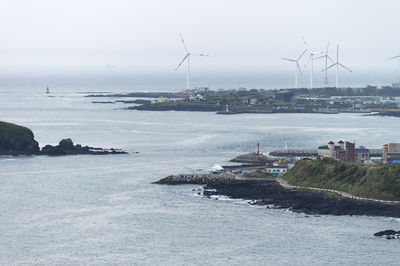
<point x="103" y="210"/>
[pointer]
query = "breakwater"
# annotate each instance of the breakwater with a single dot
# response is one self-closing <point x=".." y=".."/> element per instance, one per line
<point x="201" y="179"/>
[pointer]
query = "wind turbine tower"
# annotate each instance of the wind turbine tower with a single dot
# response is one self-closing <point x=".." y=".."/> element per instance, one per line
<point x="396" y="57"/>
<point x="187" y="57"/>
<point x="296" y="66"/>
<point x="326" y="57"/>
<point x="337" y="64"/>
<point x="311" y="58"/>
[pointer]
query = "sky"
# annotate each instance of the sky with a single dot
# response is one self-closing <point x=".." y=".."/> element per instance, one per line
<point x="238" y="34"/>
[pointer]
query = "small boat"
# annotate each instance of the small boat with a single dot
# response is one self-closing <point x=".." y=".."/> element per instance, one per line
<point x="47" y="89"/>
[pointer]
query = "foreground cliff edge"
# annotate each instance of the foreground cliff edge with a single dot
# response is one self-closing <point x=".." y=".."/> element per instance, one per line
<point x="18" y="140"/>
<point x="365" y="180"/>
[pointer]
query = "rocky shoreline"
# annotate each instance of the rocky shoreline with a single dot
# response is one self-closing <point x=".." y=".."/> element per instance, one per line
<point x="219" y="109"/>
<point x="392" y="113"/>
<point x="271" y="193"/>
<point x="177" y="107"/>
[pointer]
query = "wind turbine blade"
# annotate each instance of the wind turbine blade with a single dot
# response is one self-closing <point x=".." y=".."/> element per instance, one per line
<point x="201" y="54"/>
<point x="183" y="60"/>
<point x="309" y="58"/>
<point x="328" y="67"/>
<point x="183" y="42"/>
<point x="323" y="56"/>
<point x="327" y="48"/>
<point x="304" y="41"/>
<point x="393" y="57"/>
<point x="298" y="58"/>
<point x="298" y="68"/>
<point x="344" y="67"/>
<point x="287" y="59"/>
<point x="330" y="59"/>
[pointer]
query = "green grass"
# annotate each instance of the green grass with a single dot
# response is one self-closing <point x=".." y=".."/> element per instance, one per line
<point x="377" y="181"/>
<point x="11" y="131"/>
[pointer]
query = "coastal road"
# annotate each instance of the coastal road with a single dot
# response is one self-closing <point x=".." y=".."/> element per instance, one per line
<point x="284" y="184"/>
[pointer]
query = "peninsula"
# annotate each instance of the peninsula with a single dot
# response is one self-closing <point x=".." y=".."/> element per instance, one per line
<point x="370" y="99"/>
<point x="311" y="187"/>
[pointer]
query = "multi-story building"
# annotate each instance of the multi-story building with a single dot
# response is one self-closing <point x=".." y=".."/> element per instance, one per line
<point x="344" y="151"/>
<point x="391" y="153"/>
<point x="284" y="96"/>
<point x="362" y="155"/>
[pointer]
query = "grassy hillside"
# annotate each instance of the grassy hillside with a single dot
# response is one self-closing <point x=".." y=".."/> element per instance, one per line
<point x="16" y="139"/>
<point x="377" y="181"/>
<point x="8" y="131"/>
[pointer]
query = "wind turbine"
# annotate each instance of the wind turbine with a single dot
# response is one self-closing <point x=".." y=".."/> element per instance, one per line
<point x="187" y="56"/>
<point x="395" y="57"/>
<point x="337" y="64"/>
<point x="296" y="66"/>
<point x="327" y="57"/>
<point x="311" y="58"/>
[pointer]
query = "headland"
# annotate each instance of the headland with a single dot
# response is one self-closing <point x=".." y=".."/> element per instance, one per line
<point x="320" y="187"/>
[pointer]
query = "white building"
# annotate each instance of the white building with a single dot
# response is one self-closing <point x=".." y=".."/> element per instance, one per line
<point x="276" y="170"/>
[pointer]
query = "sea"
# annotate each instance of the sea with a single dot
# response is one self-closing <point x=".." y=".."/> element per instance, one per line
<point x="103" y="210"/>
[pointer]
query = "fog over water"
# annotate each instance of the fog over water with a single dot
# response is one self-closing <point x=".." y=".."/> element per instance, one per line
<point x="239" y="35"/>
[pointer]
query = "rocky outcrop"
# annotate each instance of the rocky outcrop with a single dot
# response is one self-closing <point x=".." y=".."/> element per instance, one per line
<point x="17" y="140"/>
<point x="270" y="193"/>
<point x="387" y="233"/>
<point x="67" y="147"/>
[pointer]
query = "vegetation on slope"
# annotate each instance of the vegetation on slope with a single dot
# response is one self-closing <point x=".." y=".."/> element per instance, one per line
<point x="16" y="139"/>
<point x="378" y="181"/>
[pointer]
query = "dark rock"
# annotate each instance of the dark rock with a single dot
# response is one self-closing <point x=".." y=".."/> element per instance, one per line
<point x="53" y="150"/>
<point x="387" y="233"/>
<point x="139" y="101"/>
<point x="67" y="147"/>
<point x="103" y="102"/>
<point x="269" y="192"/>
<point x="18" y="140"/>
<point x="67" y="144"/>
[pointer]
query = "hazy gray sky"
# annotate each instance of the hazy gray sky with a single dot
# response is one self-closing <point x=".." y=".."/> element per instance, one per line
<point x="237" y="34"/>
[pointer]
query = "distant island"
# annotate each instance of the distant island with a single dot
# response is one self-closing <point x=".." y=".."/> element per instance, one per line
<point x="18" y="140"/>
<point x="370" y="99"/>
